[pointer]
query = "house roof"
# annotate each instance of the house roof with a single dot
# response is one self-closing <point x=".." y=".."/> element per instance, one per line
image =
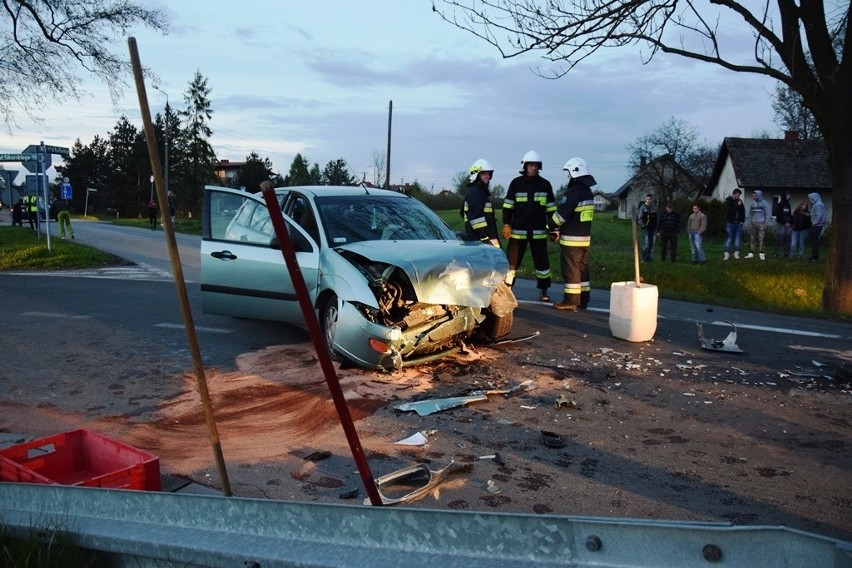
<point x="666" y="161"/>
<point x="775" y="163"/>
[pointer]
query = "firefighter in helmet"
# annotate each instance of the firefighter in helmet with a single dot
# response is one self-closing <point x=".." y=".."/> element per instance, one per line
<point x="528" y="204"/>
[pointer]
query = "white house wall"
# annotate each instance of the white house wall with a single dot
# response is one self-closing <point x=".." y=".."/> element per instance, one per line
<point x="727" y="182"/>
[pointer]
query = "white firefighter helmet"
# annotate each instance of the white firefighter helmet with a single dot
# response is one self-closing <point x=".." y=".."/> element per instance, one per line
<point x="532" y="157"/>
<point x="480" y="165"/>
<point x="576" y="167"/>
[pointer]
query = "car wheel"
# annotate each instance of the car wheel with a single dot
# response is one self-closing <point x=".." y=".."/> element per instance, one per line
<point x="495" y="327"/>
<point x="328" y="322"/>
<point x="330" y="315"/>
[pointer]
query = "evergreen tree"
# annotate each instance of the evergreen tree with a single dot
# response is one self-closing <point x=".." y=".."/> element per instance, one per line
<point x="88" y="167"/>
<point x="336" y="172"/>
<point x="254" y="172"/>
<point x="299" y="173"/>
<point x="195" y="168"/>
<point x="129" y="168"/>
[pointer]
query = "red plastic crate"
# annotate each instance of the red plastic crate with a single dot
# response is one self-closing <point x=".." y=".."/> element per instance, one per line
<point x="81" y="457"/>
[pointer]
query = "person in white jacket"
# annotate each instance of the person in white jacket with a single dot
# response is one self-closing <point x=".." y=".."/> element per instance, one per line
<point x="818" y="220"/>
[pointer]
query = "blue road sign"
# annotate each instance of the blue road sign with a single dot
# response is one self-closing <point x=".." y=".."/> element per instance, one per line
<point x="65" y="192"/>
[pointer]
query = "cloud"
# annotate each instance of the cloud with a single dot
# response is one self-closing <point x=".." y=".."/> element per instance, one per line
<point x="286" y="79"/>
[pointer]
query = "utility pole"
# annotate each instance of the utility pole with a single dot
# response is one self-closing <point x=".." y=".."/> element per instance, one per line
<point x="166" y="136"/>
<point x="390" y="117"/>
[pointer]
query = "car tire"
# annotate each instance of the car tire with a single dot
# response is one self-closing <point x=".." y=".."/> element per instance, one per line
<point x="495" y="327"/>
<point x="328" y="323"/>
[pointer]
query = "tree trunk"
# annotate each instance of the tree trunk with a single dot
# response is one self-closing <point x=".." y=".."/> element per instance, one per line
<point x="837" y="296"/>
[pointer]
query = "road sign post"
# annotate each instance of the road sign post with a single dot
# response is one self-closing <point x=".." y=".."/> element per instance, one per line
<point x="44" y="161"/>
<point x="86" y="208"/>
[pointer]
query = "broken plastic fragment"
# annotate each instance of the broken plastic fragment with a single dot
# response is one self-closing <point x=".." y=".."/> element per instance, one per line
<point x="728" y="344"/>
<point x="426" y="407"/>
<point x="416" y="439"/>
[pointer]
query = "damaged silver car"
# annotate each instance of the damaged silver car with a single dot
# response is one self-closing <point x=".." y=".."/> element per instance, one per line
<point x="391" y="283"/>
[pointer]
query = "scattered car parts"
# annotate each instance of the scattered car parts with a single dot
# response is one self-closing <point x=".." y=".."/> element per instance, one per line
<point x="729" y="344"/>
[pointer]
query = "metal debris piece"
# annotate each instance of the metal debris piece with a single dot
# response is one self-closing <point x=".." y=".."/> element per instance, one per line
<point x="551" y="439"/>
<point x="319" y="455"/>
<point x="797" y="374"/>
<point x="496" y="458"/>
<point x="517" y="389"/>
<point x="729" y="344"/>
<point x="563" y="400"/>
<point x="430" y="406"/>
<point x="418" y="473"/>
<point x="517" y="339"/>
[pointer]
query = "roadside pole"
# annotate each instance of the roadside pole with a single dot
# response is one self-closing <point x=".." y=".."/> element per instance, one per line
<point x="42" y="152"/>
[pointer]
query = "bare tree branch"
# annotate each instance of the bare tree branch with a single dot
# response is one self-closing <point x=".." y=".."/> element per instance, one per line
<point x="47" y="47"/>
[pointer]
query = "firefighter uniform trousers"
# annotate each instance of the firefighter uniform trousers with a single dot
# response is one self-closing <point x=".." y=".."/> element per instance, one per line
<point x="575" y="271"/>
<point x="538" y="248"/>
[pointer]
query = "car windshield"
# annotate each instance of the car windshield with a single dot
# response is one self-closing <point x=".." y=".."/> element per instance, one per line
<point x="353" y="219"/>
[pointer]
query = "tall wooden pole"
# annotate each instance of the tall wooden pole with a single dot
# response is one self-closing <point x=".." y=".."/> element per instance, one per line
<point x="177" y="270"/>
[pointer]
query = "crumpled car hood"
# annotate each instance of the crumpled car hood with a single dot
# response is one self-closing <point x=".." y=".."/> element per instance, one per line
<point x="442" y="272"/>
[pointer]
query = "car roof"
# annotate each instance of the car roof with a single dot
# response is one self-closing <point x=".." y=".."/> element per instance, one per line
<point x="339" y="190"/>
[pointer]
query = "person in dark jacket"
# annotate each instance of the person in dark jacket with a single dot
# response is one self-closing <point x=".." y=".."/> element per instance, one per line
<point x="801" y="226"/>
<point x="669" y="228"/>
<point x="528" y="204"/>
<point x="477" y="211"/>
<point x="152" y="214"/>
<point x="18" y="213"/>
<point x="571" y="225"/>
<point x="646" y="216"/>
<point x="734" y="219"/>
<point x="783" y="213"/>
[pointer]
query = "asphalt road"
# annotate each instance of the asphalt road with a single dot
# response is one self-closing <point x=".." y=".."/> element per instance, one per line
<point x="660" y="429"/>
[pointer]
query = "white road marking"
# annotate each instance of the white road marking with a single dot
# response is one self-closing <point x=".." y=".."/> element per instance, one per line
<point x="197" y="328"/>
<point x="722" y="323"/>
<point x="54" y="316"/>
<point x="137" y="272"/>
<point x="778" y="330"/>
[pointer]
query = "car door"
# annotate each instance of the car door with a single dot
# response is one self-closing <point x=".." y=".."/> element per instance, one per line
<point x="242" y="275"/>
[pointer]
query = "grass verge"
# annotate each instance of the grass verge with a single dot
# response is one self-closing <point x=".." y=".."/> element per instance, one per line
<point x="21" y="249"/>
<point x="782" y="285"/>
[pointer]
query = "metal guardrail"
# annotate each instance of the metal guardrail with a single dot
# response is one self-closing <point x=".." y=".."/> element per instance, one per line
<point x="137" y="528"/>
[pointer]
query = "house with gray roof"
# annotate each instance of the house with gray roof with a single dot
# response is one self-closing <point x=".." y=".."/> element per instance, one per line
<point x="773" y="166"/>
<point x="663" y="178"/>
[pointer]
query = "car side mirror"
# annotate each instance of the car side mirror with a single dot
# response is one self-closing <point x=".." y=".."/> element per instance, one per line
<point x="300" y="244"/>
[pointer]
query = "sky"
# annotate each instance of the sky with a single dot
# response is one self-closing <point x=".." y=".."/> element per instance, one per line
<point x="317" y="78"/>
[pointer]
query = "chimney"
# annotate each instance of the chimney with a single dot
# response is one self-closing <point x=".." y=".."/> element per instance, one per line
<point x="642" y="161"/>
<point x="791" y="135"/>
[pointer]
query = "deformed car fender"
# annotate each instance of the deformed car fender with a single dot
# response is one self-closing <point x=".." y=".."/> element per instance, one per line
<point x="344" y="279"/>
